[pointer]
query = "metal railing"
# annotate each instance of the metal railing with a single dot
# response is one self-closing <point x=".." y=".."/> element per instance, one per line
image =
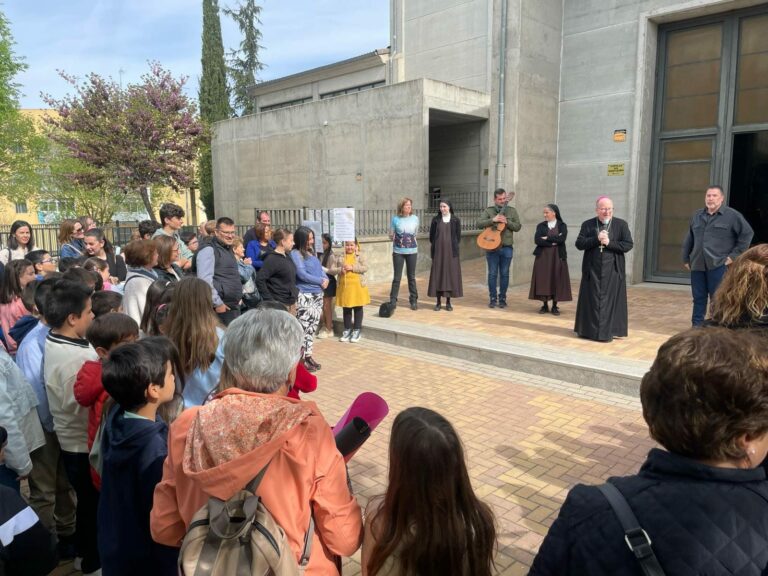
<point x="368" y="222"/>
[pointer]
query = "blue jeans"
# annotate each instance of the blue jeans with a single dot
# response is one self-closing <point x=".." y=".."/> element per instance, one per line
<point x="704" y="283"/>
<point x="498" y="265"/>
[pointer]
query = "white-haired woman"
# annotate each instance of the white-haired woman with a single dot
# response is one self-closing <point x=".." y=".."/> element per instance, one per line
<point x="250" y="424"/>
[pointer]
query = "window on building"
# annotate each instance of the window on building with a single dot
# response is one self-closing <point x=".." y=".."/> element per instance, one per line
<point x="351" y="90"/>
<point x="63" y="207"/>
<point x="285" y="104"/>
<point x="21" y="208"/>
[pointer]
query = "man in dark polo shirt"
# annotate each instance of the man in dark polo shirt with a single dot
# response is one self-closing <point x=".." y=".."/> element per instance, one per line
<point x="717" y="235"/>
<point x="217" y="266"/>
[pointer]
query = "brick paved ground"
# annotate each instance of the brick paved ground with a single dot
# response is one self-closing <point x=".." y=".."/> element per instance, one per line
<point x="656" y="312"/>
<point x="528" y="439"/>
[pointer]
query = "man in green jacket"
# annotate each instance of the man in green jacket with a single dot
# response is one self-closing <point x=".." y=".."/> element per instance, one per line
<point x="499" y="260"/>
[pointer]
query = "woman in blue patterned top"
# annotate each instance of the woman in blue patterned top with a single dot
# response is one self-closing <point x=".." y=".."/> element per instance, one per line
<point x="405" y="226"/>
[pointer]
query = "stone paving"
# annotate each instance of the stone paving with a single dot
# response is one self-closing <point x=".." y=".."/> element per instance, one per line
<point x="656" y="312"/>
<point x="528" y="439"/>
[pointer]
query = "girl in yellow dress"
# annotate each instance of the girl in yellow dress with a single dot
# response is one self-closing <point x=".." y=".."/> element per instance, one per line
<point x="351" y="289"/>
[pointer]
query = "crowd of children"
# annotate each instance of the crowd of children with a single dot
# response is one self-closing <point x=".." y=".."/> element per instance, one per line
<point x="101" y="356"/>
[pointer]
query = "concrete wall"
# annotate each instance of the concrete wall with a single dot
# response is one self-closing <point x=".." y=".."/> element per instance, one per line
<point x="378" y="254"/>
<point x="532" y="86"/>
<point x="607" y="83"/>
<point x="446" y="40"/>
<point x="334" y="152"/>
<point x="365" y="150"/>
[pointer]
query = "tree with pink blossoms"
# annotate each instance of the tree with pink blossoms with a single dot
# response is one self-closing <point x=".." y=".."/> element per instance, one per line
<point x="127" y="140"/>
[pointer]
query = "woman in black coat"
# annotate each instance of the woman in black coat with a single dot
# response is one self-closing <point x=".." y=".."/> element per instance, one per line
<point x="703" y="499"/>
<point x="550" y="280"/>
<point x="445" y="275"/>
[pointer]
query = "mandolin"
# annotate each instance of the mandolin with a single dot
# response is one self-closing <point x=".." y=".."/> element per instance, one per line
<point x="490" y="238"/>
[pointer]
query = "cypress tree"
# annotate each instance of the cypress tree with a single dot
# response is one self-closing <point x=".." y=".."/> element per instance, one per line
<point x="244" y="62"/>
<point x="213" y="96"/>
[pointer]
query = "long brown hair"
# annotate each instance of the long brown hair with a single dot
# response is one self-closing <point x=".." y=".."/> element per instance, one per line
<point x="66" y="231"/>
<point x="742" y="296"/>
<point x="430" y="521"/>
<point x="192" y="324"/>
<point x="10" y="285"/>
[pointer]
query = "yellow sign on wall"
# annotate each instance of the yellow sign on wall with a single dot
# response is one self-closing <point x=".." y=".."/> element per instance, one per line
<point x="615" y="169"/>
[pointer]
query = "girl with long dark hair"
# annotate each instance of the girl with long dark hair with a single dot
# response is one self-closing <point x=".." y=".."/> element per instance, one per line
<point x="310" y="282"/>
<point x="429" y="521"/>
<point x="17" y="275"/>
<point x="97" y="244"/>
<point x="20" y="242"/>
<point x="326" y="259"/>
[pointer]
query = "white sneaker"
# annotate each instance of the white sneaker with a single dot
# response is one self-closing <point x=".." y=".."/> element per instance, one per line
<point x="355" y="336"/>
<point x="346" y="336"/>
<point x="323" y="334"/>
<point x="77" y="564"/>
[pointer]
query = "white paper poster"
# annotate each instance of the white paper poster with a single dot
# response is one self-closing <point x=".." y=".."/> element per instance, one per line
<point x="343" y="224"/>
<point x="317" y="228"/>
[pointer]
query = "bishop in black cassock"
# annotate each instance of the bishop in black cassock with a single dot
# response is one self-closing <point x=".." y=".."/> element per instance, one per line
<point x="601" y="312"/>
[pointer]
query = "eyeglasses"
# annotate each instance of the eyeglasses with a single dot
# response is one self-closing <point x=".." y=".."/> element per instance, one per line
<point x="78" y="230"/>
<point x="47" y="261"/>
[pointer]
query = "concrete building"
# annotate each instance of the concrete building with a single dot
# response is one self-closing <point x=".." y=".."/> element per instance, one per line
<point x="644" y="100"/>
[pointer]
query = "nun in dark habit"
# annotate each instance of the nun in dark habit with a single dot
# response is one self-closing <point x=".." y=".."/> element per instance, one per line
<point x="550" y="280"/>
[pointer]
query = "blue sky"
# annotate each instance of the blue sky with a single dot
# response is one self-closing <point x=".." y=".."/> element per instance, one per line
<point x="106" y="36"/>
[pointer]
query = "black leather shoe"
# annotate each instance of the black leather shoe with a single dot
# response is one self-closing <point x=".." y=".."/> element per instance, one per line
<point x="414" y="305"/>
<point x="544" y="309"/>
<point x="502" y="303"/>
<point x="448" y="307"/>
<point x="492" y="304"/>
<point x="555" y="311"/>
<point x="437" y="307"/>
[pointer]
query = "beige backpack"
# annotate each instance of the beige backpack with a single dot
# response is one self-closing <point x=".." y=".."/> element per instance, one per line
<point x="239" y="537"/>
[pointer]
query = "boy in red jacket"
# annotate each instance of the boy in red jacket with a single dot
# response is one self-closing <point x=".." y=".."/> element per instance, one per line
<point x="105" y="333"/>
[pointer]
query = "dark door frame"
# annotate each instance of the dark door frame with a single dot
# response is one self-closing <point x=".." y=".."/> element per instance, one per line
<point x="722" y="134"/>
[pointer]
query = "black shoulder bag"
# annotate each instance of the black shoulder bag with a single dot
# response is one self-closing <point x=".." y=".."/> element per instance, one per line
<point x="636" y="538"/>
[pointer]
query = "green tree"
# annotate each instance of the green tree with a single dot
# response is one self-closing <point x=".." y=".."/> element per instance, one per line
<point x="21" y="146"/>
<point x="125" y="140"/>
<point x="244" y="63"/>
<point x="213" y="96"/>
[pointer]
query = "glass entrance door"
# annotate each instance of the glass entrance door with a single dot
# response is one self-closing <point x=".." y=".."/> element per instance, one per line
<point x="711" y="127"/>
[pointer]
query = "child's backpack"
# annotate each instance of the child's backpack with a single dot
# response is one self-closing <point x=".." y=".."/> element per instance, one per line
<point x="240" y="536"/>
